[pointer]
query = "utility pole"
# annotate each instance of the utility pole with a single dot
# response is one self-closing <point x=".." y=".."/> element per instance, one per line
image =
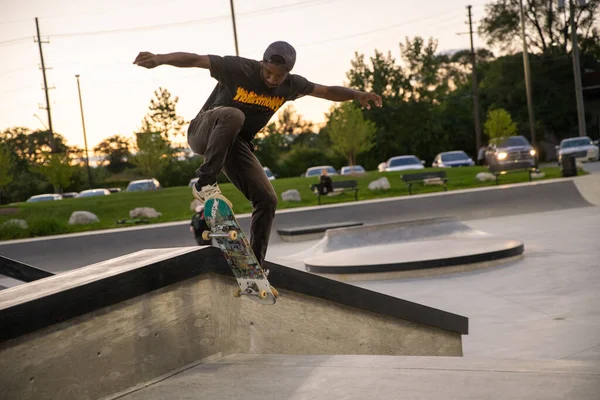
<point x="475" y="89"/>
<point x="527" y="77"/>
<point x="87" y="155"/>
<point x="237" y="53"/>
<point x="39" y="41"/>
<point x="577" y="70"/>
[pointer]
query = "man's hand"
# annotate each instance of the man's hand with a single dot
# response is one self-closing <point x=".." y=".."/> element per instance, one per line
<point x="365" y="98"/>
<point x="147" y="60"/>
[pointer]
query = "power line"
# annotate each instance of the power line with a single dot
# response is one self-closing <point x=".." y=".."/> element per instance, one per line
<point x="385" y="28"/>
<point x="14" y="41"/>
<point x="190" y="22"/>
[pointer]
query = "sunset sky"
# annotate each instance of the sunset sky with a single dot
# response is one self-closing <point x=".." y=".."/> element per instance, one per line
<point x="104" y="38"/>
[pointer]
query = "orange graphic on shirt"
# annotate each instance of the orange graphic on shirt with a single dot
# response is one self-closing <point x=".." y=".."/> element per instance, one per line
<point x="272" y="102"/>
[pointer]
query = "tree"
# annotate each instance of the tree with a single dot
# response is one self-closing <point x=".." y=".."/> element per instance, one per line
<point x="350" y="134"/>
<point x="424" y="69"/>
<point x="278" y="137"/>
<point x="162" y="116"/>
<point x="116" y="152"/>
<point x="153" y="153"/>
<point x="412" y="94"/>
<point x="499" y="124"/>
<point x="56" y="168"/>
<point x="6" y="175"/>
<point x="31" y="147"/>
<point x="546" y="28"/>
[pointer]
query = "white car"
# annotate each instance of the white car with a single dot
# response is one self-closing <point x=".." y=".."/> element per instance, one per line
<point x="92" y="193"/>
<point x="403" y="163"/>
<point x="581" y="147"/>
<point x="352" y="170"/>
<point x="44" y="197"/>
<point x="451" y="159"/>
<point x="143" y="185"/>
<point x="269" y="173"/>
<point x="316" y="171"/>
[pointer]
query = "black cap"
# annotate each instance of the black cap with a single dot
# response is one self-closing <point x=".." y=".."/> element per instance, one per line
<point x="281" y="53"/>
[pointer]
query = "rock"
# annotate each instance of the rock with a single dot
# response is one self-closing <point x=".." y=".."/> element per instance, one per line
<point x="291" y="195"/>
<point x="485" y="176"/>
<point x="82" y="218"/>
<point x="537" y="175"/>
<point x="380" y="184"/>
<point x="19" y="223"/>
<point x="144" y="212"/>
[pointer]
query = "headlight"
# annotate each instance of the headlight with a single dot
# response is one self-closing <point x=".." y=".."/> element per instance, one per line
<point x="532" y="152"/>
<point x="502" y="156"/>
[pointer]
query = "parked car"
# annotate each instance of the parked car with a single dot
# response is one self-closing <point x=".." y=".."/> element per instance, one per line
<point x="352" y="170"/>
<point x="270" y="174"/>
<point x="402" y="163"/>
<point x="69" y="195"/>
<point x="316" y="171"/>
<point x="44" y="197"/>
<point x="143" y="185"/>
<point x="510" y="153"/>
<point x="581" y="147"/>
<point x="93" y="192"/>
<point x="114" y="190"/>
<point x="449" y="159"/>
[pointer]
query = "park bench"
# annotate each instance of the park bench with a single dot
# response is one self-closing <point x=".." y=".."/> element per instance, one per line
<point x="339" y="187"/>
<point x="425" y="178"/>
<point x="498" y="170"/>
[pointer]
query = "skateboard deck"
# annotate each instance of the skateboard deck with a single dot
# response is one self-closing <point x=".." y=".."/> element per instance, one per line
<point x="230" y="238"/>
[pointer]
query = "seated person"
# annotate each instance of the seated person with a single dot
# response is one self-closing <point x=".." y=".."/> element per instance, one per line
<point x="325" y="183"/>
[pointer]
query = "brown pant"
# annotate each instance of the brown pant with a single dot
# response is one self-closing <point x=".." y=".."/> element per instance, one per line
<point x="214" y="135"/>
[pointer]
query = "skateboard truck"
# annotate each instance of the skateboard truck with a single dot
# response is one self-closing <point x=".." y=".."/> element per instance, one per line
<point x="261" y="294"/>
<point x="231" y="235"/>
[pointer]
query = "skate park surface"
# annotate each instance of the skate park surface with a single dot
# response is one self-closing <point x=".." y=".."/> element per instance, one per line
<point x="534" y="320"/>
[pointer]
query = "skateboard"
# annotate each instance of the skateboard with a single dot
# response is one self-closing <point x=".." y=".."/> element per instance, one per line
<point x="230" y="238"/>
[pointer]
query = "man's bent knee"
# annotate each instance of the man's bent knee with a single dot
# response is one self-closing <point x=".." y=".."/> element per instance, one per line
<point x="268" y="201"/>
<point x="232" y="117"/>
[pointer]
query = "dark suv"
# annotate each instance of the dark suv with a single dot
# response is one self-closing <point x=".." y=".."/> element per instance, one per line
<point x="510" y="153"/>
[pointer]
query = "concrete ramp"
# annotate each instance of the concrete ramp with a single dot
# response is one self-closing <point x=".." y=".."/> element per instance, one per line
<point x="124" y="323"/>
<point x="589" y="187"/>
<point x="390" y="232"/>
<point x="404" y="249"/>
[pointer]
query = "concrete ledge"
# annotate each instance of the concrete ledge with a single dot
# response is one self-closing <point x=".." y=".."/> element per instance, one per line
<point x="109" y="327"/>
<point x="311" y="231"/>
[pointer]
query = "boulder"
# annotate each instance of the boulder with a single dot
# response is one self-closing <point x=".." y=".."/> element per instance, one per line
<point x="144" y="212"/>
<point x="291" y="195"/>
<point x="82" y="218"/>
<point x="19" y="223"/>
<point x="380" y="184"/>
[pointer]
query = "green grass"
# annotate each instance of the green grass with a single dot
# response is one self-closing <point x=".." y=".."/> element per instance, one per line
<point x="49" y="218"/>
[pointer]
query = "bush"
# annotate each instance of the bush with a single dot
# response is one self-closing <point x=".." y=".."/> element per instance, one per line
<point x="44" y="226"/>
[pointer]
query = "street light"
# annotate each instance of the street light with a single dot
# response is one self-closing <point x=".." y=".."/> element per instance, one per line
<point x="77" y="71"/>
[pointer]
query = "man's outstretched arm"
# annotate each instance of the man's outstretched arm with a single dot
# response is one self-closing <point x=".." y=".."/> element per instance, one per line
<point x="340" y="93"/>
<point x="182" y="60"/>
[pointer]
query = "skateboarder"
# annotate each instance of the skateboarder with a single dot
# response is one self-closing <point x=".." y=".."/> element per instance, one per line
<point x="247" y="94"/>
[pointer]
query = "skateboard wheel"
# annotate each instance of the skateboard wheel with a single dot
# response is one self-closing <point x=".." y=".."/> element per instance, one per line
<point x="238" y="293"/>
<point x="262" y="294"/>
<point x="205" y="235"/>
<point x="232" y="235"/>
<point x="275" y="292"/>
